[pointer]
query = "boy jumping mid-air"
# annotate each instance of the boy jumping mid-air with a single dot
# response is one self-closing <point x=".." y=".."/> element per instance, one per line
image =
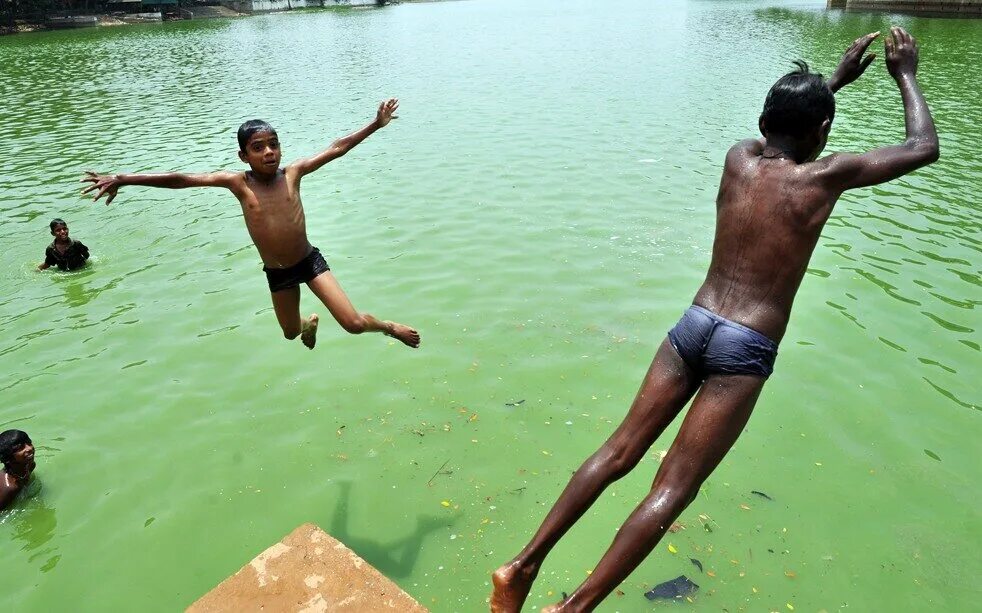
<point x="270" y="199"/>
<point x="774" y="198"/>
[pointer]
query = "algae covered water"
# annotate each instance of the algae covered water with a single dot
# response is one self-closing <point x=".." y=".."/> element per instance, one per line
<point x="542" y="212"/>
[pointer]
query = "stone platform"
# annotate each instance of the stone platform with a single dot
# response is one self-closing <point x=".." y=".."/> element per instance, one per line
<point x="308" y="572"/>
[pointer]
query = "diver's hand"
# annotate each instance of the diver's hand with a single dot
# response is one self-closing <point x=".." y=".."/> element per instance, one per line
<point x="853" y="64"/>
<point x="386" y="112"/>
<point x="106" y="184"/>
<point x="901" y="51"/>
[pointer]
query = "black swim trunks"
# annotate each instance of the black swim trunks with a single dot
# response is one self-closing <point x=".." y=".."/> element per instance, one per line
<point x="302" y="272"/>
<point x="712" y="345"/>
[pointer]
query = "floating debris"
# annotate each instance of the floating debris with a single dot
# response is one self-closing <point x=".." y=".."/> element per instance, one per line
<point x="932" y="455"/>
<point x="696" y="563"/>
<point x="761" y="494"/>
<point x="679" y="587"/>
<point x="515" y="404"/>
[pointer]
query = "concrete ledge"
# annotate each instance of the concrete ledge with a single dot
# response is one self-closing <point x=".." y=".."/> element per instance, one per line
<point x="308" y="572"/>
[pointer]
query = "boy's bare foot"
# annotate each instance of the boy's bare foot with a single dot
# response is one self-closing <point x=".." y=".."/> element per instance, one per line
<point x="404" y="333"/>
<point x="308" y="333"/>
<point x="511" y="587"/>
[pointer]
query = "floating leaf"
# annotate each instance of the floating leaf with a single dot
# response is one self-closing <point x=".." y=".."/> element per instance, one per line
<point x="445" y="503"/>
<point x="672" y="549"/>
<point x="932" y="455"/>
<point x="696" y="563"/>
<point x="761" y="494"/>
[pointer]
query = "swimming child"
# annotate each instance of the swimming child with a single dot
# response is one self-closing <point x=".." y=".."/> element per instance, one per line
<point x="17" y="456"/>
<point x="274" y="216"/>
<point x="774" y="198"/>
<point x="63" y="252"/>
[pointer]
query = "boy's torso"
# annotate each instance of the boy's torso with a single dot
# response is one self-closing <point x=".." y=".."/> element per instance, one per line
<point x="65" y="255"/>
<point x="275" y="218"/>
<point x="769" y="215"/>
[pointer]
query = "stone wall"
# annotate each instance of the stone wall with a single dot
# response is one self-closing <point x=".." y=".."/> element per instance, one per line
<point x="267" y="6"/>
<point x="939" y="8"/>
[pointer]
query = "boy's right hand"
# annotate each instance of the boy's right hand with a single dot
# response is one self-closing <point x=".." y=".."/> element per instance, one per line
<point x="901" y="51"/>
<point x="106" y="184"/>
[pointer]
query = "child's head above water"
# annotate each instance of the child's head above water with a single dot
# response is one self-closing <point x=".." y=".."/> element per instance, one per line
<point x="799" y="109"/>
<point x="59" y="229"/>
<point x="259" y="146"/>
<point x="15" y="447"/>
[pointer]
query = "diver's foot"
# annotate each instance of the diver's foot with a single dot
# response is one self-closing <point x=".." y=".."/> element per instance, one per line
<point x="308" y="334"/>
<point x="405" y="334"/>
<point x="511" y="587"/>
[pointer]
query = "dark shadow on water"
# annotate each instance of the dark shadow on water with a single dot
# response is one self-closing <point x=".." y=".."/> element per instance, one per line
<point x="395" y="558"/>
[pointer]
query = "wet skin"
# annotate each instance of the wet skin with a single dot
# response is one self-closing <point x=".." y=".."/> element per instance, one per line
<point x="274" y="216"/>
<point x="16" y="474"/>
<point x="773" y="201"/>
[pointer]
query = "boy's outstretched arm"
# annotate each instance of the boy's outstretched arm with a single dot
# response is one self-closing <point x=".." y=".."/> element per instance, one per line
<point x="846" y="171"/>
<point x="344" y="144"/>
<point x="110" y="184"/>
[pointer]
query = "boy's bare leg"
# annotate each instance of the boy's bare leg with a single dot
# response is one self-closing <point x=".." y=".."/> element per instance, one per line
<point x="668" y="385"/>
<point x="286" y="305"/>
<point x="327" y="288"/>
<point x="714" y="422"/>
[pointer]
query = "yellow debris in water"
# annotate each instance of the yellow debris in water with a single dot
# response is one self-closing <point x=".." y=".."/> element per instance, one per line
<point x="445" y="503"/>
<point x="672" y="549"/>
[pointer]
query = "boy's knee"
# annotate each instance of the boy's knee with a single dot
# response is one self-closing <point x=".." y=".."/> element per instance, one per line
<point x="622" y="458"/>
<point x="354" y="325"/>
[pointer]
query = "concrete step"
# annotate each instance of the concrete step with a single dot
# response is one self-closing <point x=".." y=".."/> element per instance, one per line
<point x="308" y="571"/>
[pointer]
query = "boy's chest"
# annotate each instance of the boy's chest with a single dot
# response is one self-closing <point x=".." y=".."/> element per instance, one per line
<point x="260" y="207"/>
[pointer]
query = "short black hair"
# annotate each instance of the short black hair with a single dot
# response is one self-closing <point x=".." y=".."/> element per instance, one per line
<point x="798" y="103"/>
<point x="57" y="221"/>
<point x="10" y="442"/>
<point x="253" y="126"/>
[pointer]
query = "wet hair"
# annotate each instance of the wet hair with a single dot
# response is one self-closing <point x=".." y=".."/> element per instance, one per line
<point x="57" y="221"/>
<point x="10" y="442"/>
<point x="253" y="126"/>
<point x="798" y="103"/>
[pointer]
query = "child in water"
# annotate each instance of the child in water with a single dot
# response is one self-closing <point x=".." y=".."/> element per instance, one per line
<point x="270" y="200"/>
<point x="17" y="456"/>
<point x="63" y="252"/>
<point x="774" y="199"/>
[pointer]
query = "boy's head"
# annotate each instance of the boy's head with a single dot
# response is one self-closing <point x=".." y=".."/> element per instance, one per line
<point x="800" y="107"/>
<point x="59" y="229"/>
<point x="15" y="447"/>
<point x="259" y="146"/>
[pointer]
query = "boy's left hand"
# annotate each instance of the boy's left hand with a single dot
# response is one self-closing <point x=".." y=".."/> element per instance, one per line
<point x="853" y="64"/>
<point x="385" y="112"/>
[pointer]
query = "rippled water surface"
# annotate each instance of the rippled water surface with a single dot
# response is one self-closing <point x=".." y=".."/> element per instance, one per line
<point x="542" y="211"/>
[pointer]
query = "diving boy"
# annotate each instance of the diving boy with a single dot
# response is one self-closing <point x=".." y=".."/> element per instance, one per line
<point x="63" y="252"/>
<point x="17" y="456"/>
<point x="270" y="200"/>
<point x="774" y="198"/>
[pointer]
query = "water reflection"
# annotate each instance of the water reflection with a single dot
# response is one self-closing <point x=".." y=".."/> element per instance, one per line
<point x="33" y="524"/>
<point x="393" y="558"/>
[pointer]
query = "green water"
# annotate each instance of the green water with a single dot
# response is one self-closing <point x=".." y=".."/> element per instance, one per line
<point x="542" y="212"/>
